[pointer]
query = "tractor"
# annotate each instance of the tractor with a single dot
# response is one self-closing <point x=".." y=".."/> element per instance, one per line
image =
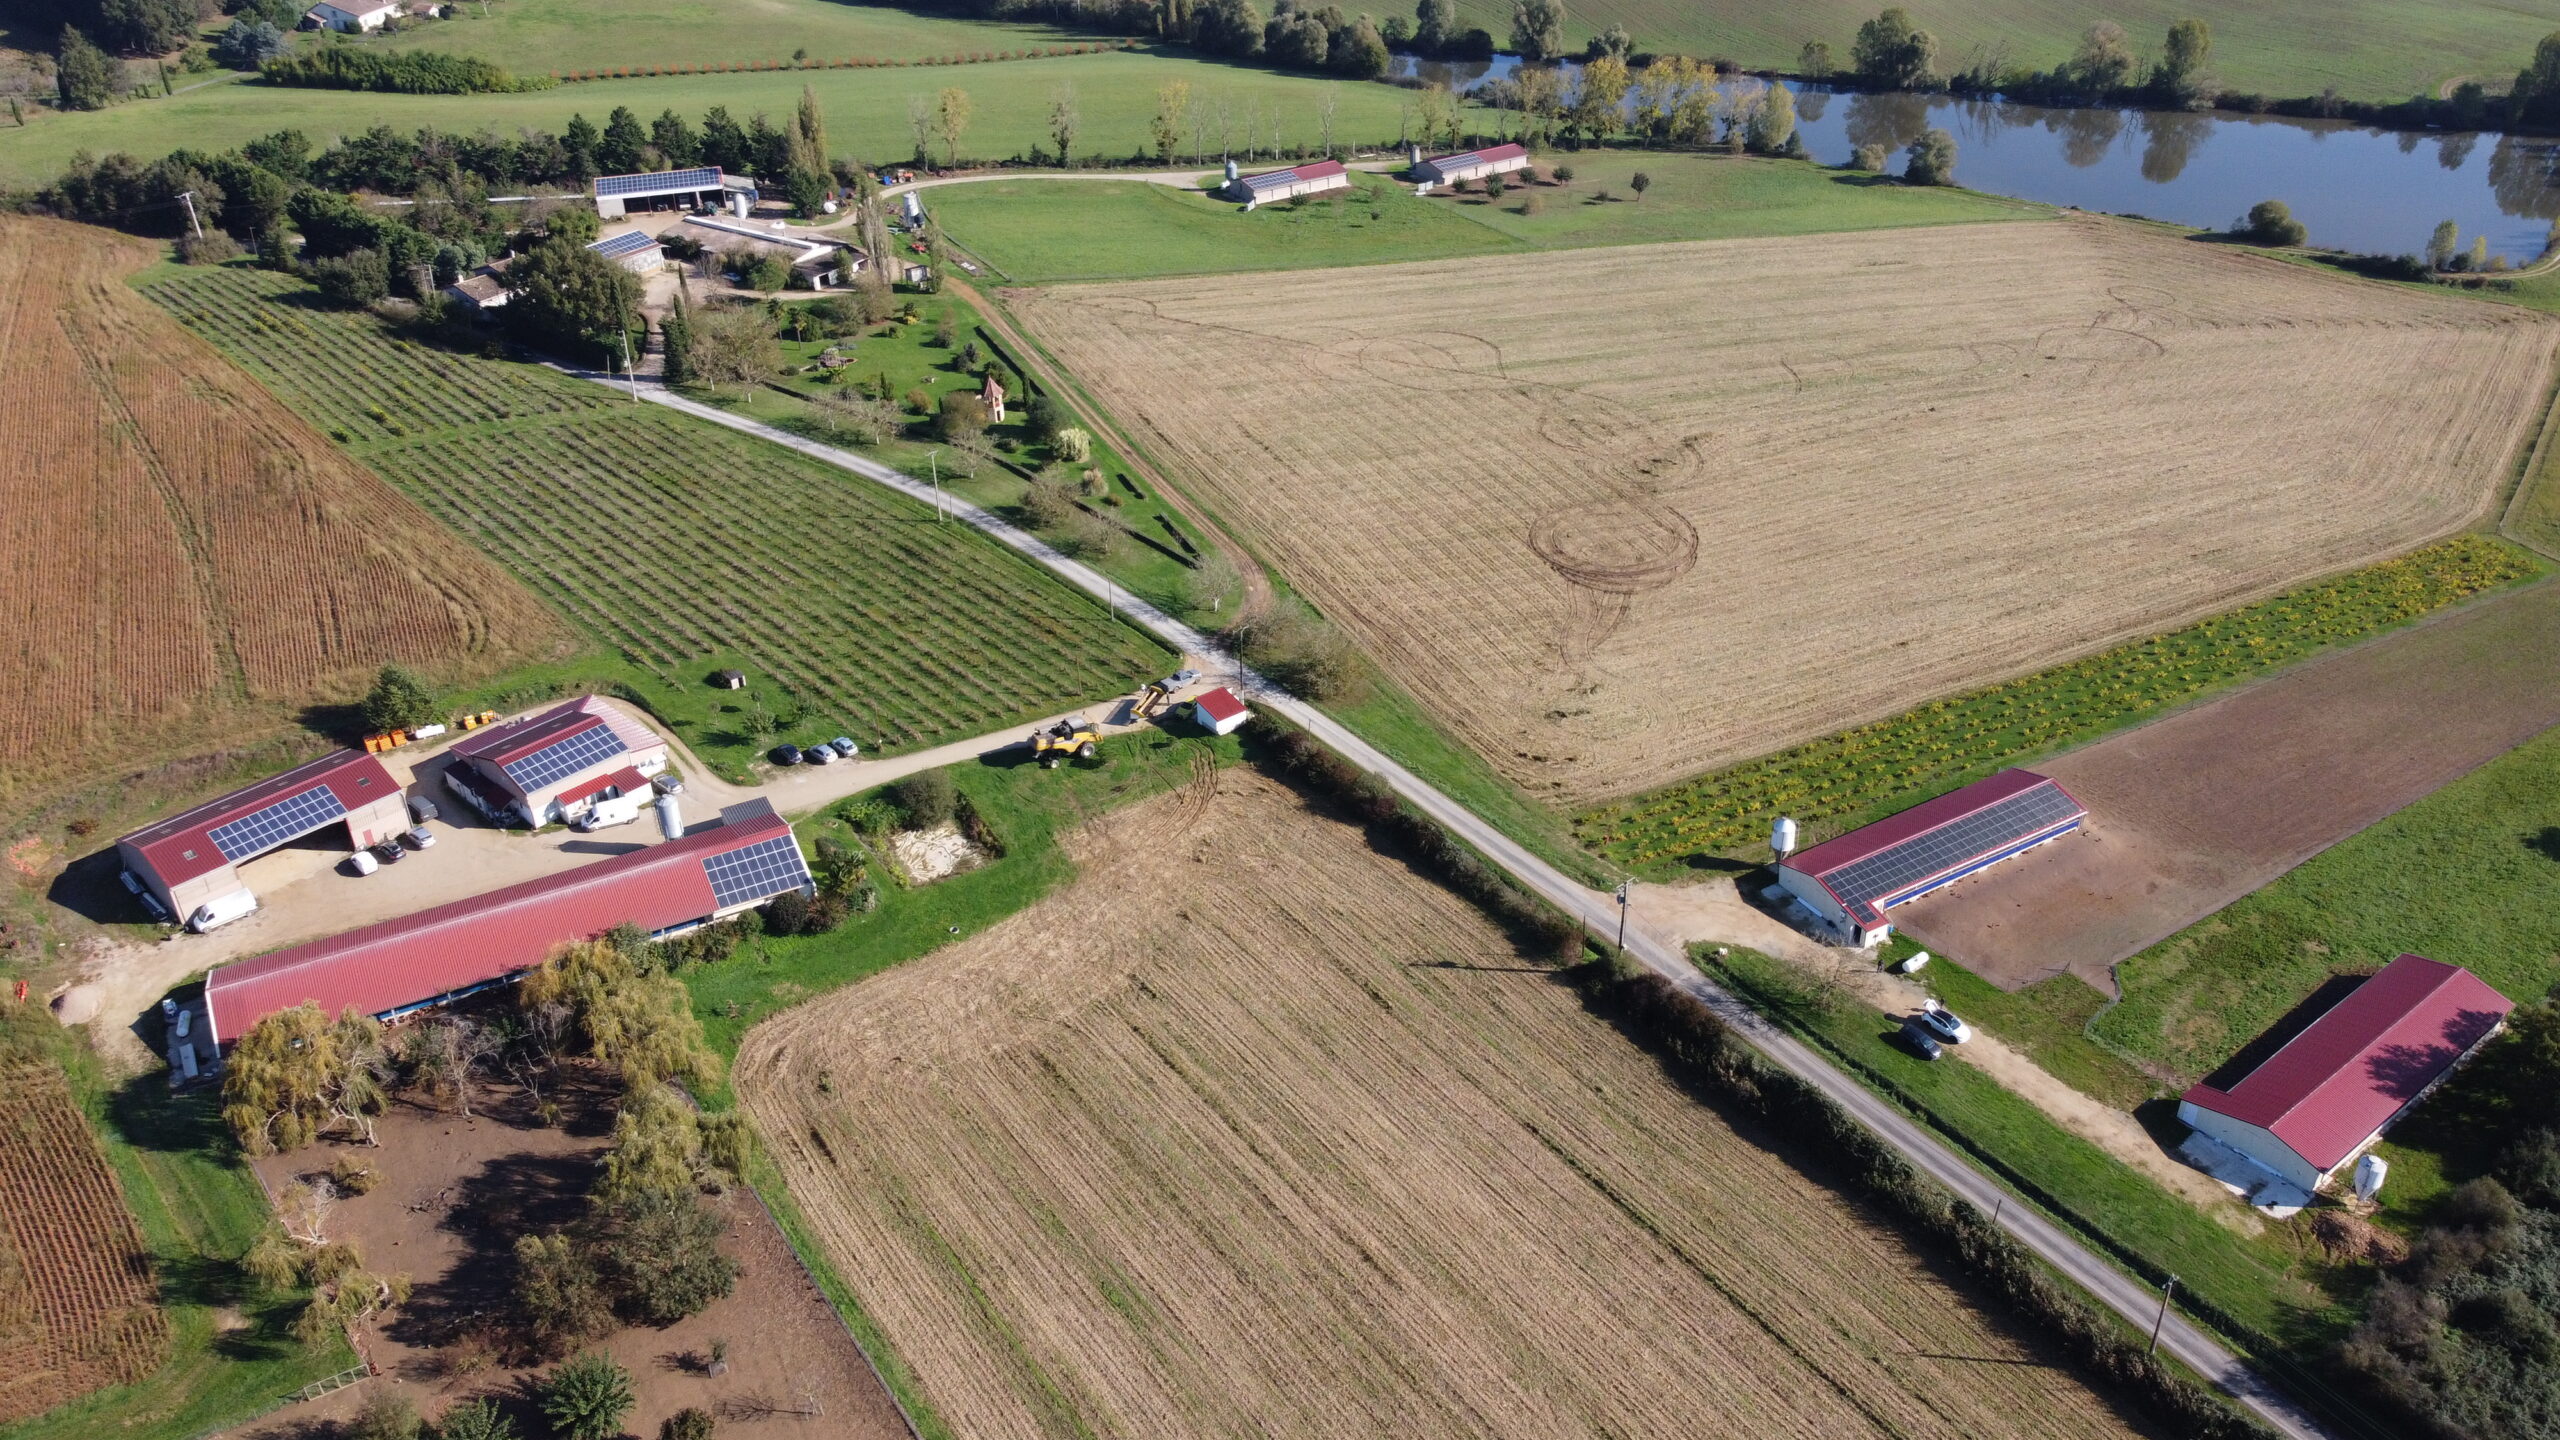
<point x="1075" y="736"/>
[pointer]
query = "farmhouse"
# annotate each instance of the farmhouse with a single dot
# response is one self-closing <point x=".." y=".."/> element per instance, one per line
<point x="480" y="291"/>
<point x="1852" y="880"/>
<point x="2329" y="1093"/>
<point x="351" y="17"/>
<point x="1219" y="711"/>
<point x="743" y="859"/>
<point x="1470" y="165"/>
<point x="637" y="252"/>
<point x="1272" y="186"/>
<point x="190" y="862"/>
<point x="697" y="189"/>
<point x="537" y="770"/>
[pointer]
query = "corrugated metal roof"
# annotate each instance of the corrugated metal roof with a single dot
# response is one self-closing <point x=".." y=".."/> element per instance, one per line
<point x="417" y="958"/>
<point x="181" y="847"/>
<point x="1275" y="179"/>
<point x="628" y="780"/>
<point x="619" y="247"/>
<point x="1219" y="704"/>
<point x="2355" y="1067"/>
<point x="659" y="182"/>
<point x="1875" y="865"/>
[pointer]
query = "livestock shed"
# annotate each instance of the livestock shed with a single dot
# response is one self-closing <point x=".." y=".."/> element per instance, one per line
<point x="536" y="770"/>
<point x="352" y="17"/>
<point x="637" y="252"/>
<point x="2327" y="1094"/>
<point x="191" y="860"/>
<point x="746" y="857"/>
<point x="1470" y="165"/>
<point x="820" y="262"/>
<point x="1272" y="186"/>
<point x="698" y="188"/>
<point x="1852" y="880"/>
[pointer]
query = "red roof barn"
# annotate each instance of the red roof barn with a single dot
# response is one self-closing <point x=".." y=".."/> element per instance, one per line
<point x="2330" y="1091"/>
<point x="1852" y="880"/>
<point x="189" y="859"/>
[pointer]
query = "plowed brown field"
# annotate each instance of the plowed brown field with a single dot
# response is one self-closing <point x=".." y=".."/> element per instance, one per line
<point x="1622" y="515"/>
<point x="186" y="559"/>
<point x="77" y="1304"/>
<point x="1253" y="1132"/>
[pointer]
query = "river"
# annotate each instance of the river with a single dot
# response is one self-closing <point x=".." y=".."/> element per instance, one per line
<point x="2353" y="187"/>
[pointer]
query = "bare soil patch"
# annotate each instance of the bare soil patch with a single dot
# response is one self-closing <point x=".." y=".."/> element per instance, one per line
<point x="1621" y="515"/>
<point x="1254" y="1131"/>
<point x="454" y="1194"/>
<point x="2191" y="812"/>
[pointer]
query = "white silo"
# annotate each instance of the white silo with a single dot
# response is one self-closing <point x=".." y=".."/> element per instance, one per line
<point x="1782" y="836"/>
<point x="670" y="818"/>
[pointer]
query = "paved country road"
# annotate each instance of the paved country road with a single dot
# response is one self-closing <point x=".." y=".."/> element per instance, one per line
<point x="2133" y="1299"/>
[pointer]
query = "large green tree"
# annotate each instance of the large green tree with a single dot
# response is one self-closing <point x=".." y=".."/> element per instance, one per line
<point x="2535" y="98"/>
<point x="83" y="76"/>
<point x="1537" y="29"/>
<point x="569" y="299"/>
<point x="1891" y="51"/>
<point x="399" y="701"/>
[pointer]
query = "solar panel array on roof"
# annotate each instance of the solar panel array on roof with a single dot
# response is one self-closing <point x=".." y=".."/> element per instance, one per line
<point x="660" y="182"/>
<point x="262" y="830"/>
<point x="621" y="245"/>
<point x="1881" y="878"/>
<point x="565" y="756"/>
<point x="768" y="867"/>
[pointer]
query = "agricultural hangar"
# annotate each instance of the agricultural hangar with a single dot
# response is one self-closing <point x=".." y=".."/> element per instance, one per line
<point x="191" y="861"/>
<point x="553" y="766"/>
<point x="1273" y="186"/>
<point x="637" y="252"/>
<point x="696" y="189"/>
<point x="714" y="871"/>
<point x="2329" y="1093"/>
<point x="1852" y="880"/>
<point x="1470" y="165"/>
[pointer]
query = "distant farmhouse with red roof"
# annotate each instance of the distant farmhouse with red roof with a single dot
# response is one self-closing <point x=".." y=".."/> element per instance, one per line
<point x="713" y="871"/>
<point x="2330" y="1092"/>
<point x="1851" y="881"/>
<point x="544" y="768"/>
<point x="190" y="861"/>
<point x="1470" y="165"/>
<point x="1272" y="186"/>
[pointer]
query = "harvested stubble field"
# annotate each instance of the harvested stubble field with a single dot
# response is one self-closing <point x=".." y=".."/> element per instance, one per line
<point x="1650" y="510"/>
<point x="184" y="555"/>
<point x="676" y="541"/>
<point x="76" y="1290"/>
<point x="1254" y="1131"/>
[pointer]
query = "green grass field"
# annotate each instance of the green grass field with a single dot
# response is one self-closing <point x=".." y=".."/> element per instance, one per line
<point x="866" y="110"/>
<point x="540" y="36"/>
<point x="2369" y="49"/>
<point x="2469" y="875"/>
<point x="682" y="546"/>
<point x="1043" y="232"/>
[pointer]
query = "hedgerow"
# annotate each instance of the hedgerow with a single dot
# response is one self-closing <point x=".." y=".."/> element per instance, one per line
<point x="408" y="72"/>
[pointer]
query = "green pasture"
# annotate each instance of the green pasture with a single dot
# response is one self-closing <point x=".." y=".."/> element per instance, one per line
<point x="2469" y="875"/>
<point x="682" y="547"/>
<point x="2368" y="49"/>
<point x="866" y="110"/>
<point x="1715" y="197"/>
<point x="543" y="36"/>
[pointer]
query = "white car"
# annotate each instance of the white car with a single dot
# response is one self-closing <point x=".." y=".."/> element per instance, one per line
<point x="363" y="863"/>
<point x="421" y="838"/>
<point x="1945" y="1024"/>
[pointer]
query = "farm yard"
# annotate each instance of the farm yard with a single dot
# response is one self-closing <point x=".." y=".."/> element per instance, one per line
<point x="190" y="562"/>
<point x="678" y="543"/>
<point x="1345" y="1133"/>
<point x="77" y="1297"/>
<point x="1706" y="501"/>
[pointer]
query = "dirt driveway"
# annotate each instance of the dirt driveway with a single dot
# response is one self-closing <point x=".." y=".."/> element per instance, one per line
<point x="2191" y="812"/>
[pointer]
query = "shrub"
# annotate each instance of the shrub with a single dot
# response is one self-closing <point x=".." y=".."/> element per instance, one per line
<point x="398" y="700"/>
<point x="475" y="1420"/>
<point x="210" y="248"/>
<point x="1870" y="158"/>
<point x="587" y="1398"/>
<point x="407" y="72"/>
<point x="353" y="1176"/>
<point x="2269" y="222"/>
<point x="690" y="1423"/>
<point x="925" y="799"/>
<point x="1931" y="160"/>
<point x="387" y="1415"/>
<point x="1302" y="651"/>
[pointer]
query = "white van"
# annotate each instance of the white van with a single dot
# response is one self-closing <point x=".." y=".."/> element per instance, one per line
<point x="222" y="910"/>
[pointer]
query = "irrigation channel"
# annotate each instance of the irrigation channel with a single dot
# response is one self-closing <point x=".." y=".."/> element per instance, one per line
<point x="2354" y="187"/>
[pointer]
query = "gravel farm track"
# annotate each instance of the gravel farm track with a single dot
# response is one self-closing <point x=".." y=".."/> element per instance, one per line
<point x="1252" y="1130"/>
<point x="77" y="1296"/>
<point x="1621" y="515"/>
<point x="188" y="559"/>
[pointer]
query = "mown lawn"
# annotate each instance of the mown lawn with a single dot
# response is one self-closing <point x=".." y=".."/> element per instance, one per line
<point x="2049" y="1021"/>
<point x="548" y="35"/>
<point x="2469" y="875"/>
<point x="1716" y="197"/>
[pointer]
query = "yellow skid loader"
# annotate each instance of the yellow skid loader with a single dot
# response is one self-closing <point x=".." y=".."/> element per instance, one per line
<point x="1075" y="737"/>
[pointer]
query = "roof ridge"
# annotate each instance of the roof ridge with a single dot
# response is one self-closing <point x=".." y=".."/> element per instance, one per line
<point x="2441" y="978"/>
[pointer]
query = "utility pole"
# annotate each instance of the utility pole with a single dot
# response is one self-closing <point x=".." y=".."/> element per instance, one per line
<point x="630" y="371"/>
<point x="1622" y="913"/>
<point x="936" y="459"/>
<point x="193" y="224"/>
<point x="2163" y="1317"/>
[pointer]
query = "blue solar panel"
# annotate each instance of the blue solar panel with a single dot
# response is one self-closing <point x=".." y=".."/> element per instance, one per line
<point x="565" y="756"/>
<point x="659" y="182"/>
<point x="768" y="867"/>
<point x="262" y="830"/>
<point x="1880" y="879"/>
<point x="621" y="245"/>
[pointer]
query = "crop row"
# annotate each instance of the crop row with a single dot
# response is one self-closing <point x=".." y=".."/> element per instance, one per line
<point x="1940" y="744"/>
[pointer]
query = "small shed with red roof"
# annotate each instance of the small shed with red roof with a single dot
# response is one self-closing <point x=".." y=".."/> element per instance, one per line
<point x="1851" y="881"/>
<point x="1219" y="711"/>
<point x="2324" y="1097"/>
<point x="191" y="859"/>
<point x="543" y="768"/>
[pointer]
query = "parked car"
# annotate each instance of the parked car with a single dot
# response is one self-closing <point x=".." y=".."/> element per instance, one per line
<point x="845" y="747"/>
<point x="132" y="882"/>
<point x="389" y="852"/>
<point x="1943" y="1024"/>
<point x="817" y="755"/>
<point x="222" y="910"/>
<point x="152" y="907"/>
<point x="420" y="838"/>
<point x="668" y="782"/>
<point x="1920" y="1041"/>
<point x="785" y="755"/>
<point x="363" y="863"/>
<point x="422" y="809"/>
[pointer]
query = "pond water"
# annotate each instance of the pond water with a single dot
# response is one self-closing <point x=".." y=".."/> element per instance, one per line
<point x="2352" y="187"/>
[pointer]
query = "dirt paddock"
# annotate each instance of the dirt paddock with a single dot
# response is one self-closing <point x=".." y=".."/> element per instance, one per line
<point x="1622" y="515"/>
<point x="1251" y="1131"/>
<point x="2191" y="812"/>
